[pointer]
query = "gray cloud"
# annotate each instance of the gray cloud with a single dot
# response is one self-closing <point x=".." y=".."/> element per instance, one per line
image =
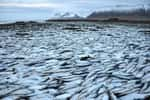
<point x="50" y="7"/>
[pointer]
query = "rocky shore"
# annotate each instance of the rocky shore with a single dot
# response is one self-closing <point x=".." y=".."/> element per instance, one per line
<point x="75" y="61"/>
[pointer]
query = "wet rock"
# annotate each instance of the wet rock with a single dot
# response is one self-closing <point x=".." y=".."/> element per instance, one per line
<point x="73" y="28"/>
<point x="93" y="29"/>
<point x="19" y="58"/>
<point x="22" y="34"/>
<point x="144" y="31"/>
<point x="23" y="98"/>
<point x="147" y="61"/>
<point x="85" y="57"/>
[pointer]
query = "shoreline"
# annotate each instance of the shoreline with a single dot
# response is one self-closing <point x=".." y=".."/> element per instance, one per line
<point x="112" y="20"/>
<point x="99" y="20"/>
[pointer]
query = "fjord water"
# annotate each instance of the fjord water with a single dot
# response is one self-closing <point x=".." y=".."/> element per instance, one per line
<point x="75" y="61"/>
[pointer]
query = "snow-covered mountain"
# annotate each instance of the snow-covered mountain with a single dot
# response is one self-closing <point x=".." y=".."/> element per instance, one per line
<point x="66" y="15"/>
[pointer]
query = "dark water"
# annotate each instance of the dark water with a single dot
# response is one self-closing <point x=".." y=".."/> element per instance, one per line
<point x="75" y="61"/>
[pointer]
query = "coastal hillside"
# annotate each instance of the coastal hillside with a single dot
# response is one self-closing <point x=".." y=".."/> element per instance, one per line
<point x="140" y="14"/>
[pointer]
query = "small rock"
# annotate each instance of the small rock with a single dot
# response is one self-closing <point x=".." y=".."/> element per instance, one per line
<point x="85" y="57"/>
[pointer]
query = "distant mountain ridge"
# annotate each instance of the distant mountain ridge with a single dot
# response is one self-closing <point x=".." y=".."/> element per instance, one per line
<point x="66" y="15"/>
<point x="135" y="14"/>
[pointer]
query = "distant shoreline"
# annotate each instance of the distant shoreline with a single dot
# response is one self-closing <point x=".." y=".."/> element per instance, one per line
<point x="108" y="20"/>
<point x="99" y="20"/>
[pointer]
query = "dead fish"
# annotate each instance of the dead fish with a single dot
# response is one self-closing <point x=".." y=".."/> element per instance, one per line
<point x="145" y="69"/>
<point x="146" y="78"/>
<point x="121" y="76"/>
<point x="112" y="96"/>
<point x="95" y="87"/>
<point x="63" y="96"/>
<point x="147" y="90"/>
<point x="105" y="97"/>
<point x="101" y="90"/>
<point x="23" y="92"/>
<point x="131" y="69"/>
<point x="83" y="63"/>
<point x="92" y="73"/>
<point x="145" y="86"/>
<point x="138" y="74"/>
<point x="134" y="96"/>
<point x="6" y="92"/>
<point x="75" y="97"/>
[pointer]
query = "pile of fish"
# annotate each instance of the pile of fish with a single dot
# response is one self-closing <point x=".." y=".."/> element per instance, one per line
<point x="74" y="61"/>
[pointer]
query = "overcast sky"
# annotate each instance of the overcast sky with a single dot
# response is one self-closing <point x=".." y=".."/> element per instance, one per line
<point x="48" y="8"/>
